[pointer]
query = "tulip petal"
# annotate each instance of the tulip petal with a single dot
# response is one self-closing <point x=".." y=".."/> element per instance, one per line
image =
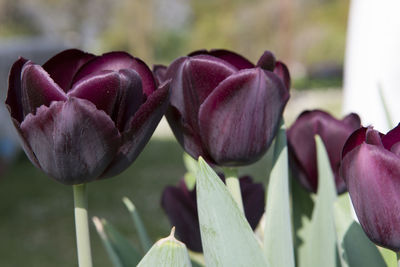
<point x="253" y="200"/>
<point x="233" y="58"/>
<point x="160" y="72"/>
<point x="283" y="72"/>
<point x="25" y="146"/>
<point x="100" y="88"/>
<point x="130" y="98"/>
<point x="116" y="61"/>
<point x="239" y="119"/>
<point x="193" y="79"/>
<point x="354" y="140"/>
<point x="186" y="135"/>
<point x="38" y="88"/>
<point x="182" y="213"/>
<point x="391" y="138"/>
<point x="267" y="61"/>
<point x="14" y="95"/>
<point x="73" y="141"/>
<point x="63" y="66"/>
<point x="334" y="134"/>
<point x="371" y="174"/>
<point x="140" y="129"/>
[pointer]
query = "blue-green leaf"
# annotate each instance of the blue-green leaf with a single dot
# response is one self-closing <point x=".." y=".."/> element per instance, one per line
<point x="227" y="238"/>
<point x="278" y="237"/>
<point x="166" y="252"/>
<point x="120" y="251"/>
<point x="355" y="249"/>
<point x="320" y="245"/>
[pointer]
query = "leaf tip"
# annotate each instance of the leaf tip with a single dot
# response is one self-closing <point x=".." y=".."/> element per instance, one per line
<point x="128" y="203"/>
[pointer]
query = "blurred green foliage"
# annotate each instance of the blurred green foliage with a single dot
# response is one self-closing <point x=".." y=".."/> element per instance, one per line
<point x="301" y="33"/>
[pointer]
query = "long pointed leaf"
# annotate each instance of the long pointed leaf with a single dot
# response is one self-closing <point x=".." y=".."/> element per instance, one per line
<point x="227" y="238"/>
<point x="166" y="252"/>
<point x="140" y="228"/>
<point x="120" y="251"/>
<point x="278" y="237"/>
<point x="355" y="249"/>
<point x="320" y="247"/>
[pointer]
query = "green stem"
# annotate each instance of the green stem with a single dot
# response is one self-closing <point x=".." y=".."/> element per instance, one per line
<point x="233" y="185"/>
<point x="82" y="226"/>
<point x="398" y="259"/>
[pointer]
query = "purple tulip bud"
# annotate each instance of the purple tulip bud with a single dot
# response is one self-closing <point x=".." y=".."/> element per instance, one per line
<point x="224" y="108"/>
<point x="83" y="117"/>
<point x="371" y="170"/>
<point x="302" y="148"/>
<point x="180" y="205"/>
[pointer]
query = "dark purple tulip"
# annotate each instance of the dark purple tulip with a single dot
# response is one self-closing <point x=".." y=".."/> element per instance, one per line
<point x="371" y="170"/>
<point x="223" y="107"/>
<point x="180" y="205"/>
<point x="303" y="155"/>
<point x="83" y="117"/>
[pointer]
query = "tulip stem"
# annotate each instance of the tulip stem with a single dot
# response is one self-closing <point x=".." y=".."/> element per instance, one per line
<point x="82" y="226"/>
<point x="233" y="185"/>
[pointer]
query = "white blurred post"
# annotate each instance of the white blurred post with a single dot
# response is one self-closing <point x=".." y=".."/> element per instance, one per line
<point x="372" y="61"/>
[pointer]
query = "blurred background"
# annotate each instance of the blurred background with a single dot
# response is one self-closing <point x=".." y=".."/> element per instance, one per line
<point x="36" y="213"/>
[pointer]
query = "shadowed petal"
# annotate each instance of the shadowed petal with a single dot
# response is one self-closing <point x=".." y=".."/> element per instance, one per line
<point x="160" y="72"/>
<point x="100" y="88"/>
<point x="334" y="134"/>
<point x="25" y="146"/>
<point x="37" y="88"/>
<point x="391" y="138"/>
<point x="182" y="213"/>
<point x="371" y="173"/>
<point x="63" y="66"/>
<point x="239" y="119"/>
<point x="14" y="94"/>
<point x="283" y="72"/>
<point x="185" y="134"/>
<point x="141" y="128"/>
<point x="267" y="61"/>
<point x="130" y="98"/>
<point x="354" y="140"/>
<point x="253" y="196"/>
<point x="73" y="141"/>
<point x="116" y="61"/>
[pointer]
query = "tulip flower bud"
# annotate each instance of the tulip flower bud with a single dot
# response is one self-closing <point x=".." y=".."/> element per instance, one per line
<point x="223" y="107"/>
<point x="371" y="169"/>
<point x="302" y="149"/>
<point x="83" y="117"/>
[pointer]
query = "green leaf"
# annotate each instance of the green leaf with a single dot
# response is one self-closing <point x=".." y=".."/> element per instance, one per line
<point x="191" y="167"/>
<point x="140" y="228"/>
<point x="120" y="251"/>
<point x="227" y="238"/>
<point x="278" y="237"/>
<point x="302" y="207"/>
<point x="319" y="238"/>
<point x="389" y="256"/>
<point x="166" y="252"/>
<point x="355" y="249"/>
